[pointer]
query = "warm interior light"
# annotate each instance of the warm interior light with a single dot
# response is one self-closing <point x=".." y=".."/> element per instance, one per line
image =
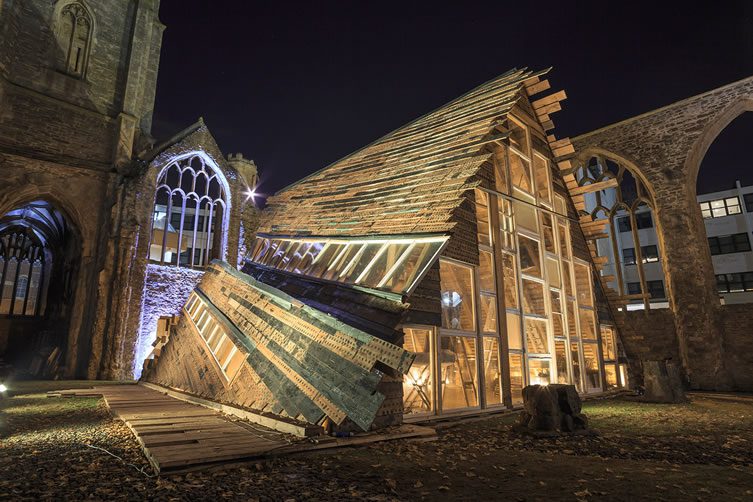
<point x="3" y="388"/>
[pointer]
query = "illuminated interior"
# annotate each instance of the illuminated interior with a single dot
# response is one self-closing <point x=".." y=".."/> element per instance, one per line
<point x="391" y="264"/>
<point x="526" y="266"/>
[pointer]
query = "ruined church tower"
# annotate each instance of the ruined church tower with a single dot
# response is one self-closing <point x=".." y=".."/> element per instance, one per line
<point x="77" y="87"/>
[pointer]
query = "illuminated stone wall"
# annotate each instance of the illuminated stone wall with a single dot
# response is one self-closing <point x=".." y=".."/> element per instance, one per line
<point x="666" y="146"/>
<point x="166" y="290"/>
<point x="124" y="340"/>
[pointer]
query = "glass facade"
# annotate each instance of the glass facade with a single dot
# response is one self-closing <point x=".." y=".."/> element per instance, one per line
<point x="528" y="303"/>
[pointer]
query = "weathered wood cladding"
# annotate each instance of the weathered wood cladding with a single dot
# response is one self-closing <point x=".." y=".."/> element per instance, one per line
<point x="368" y="312"/>
<point x="410" y="181"/>
<point x="301" y="361"/>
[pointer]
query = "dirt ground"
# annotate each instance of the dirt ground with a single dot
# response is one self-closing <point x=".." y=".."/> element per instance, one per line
<point x="702" y="450"/>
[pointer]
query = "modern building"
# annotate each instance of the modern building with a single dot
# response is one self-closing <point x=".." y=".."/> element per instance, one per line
<point x="728" y="218"/>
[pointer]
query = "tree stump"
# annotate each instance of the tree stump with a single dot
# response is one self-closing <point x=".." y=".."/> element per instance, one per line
<point x="551" y="410"/>
<point x="663" y="382"/>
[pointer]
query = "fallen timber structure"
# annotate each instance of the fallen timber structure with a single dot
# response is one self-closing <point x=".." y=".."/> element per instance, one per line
<point x="436" y="271"/>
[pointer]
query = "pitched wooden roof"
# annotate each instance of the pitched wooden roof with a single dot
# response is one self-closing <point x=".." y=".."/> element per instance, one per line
<point x="407" y="182"/>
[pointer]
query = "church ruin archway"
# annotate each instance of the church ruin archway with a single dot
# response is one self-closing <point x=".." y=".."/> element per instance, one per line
<point x="710" y="133"/>
<point x="40" y="255"/>
<point x="621" y="203"/>
<point x="725" y="200"/>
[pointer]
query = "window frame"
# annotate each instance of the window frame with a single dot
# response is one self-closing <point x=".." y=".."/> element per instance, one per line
<point x="216" y="223"/>
<point x="709" y="211"/>
<point x="74" y="67"/>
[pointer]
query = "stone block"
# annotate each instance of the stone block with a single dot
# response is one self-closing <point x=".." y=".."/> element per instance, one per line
<point x="551" y="409"/>
<point x="663" y="382"/>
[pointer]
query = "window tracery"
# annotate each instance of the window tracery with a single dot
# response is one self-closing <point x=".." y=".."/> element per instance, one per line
<point x="22" y="269"/>
<point x="188" y="221"/>
<point x="74" y="33"/>
<point x="624" y="207"/>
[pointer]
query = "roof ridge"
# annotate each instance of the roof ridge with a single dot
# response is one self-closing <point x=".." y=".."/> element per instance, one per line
<point x="507" y="74"/>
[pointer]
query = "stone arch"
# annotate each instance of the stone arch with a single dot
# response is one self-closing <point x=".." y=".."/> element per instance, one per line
<point x="645" y="196"/>
<point x="61" y="324"/>
<point x="711" y="131"/>
<point x="595" y="151"/>
<point x="155" y="175"/>
<point x="19" y="196"/>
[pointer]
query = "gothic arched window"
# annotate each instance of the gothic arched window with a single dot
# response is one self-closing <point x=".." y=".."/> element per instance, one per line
<point x="22" y="268"/>
<point x="624" y="224"/>
<point x="189" y="218"/>
<point x="74" y="34"/>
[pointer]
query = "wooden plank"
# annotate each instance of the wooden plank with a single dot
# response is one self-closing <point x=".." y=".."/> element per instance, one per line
<point x="182" y="455"/>
<point x="531" y="81"/>
<point x="538" y="87"/>
<point x="558" y="143"/>
<point x="237" y="434"/>
<point x="549" y="100"/>
<point x="195" y="424"/>
<point x="147" y="422"/>
<point x="594" y="187"/>
<point x="564" y="150"/>
<point x="176" y="433"/>
<point x="156" y="430"/>
<point x="280" y="424"/>
<point x="565" y="164"/>
<point x="547" y="110"/>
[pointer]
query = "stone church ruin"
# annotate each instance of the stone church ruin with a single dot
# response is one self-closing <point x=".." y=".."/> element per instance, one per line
<point x="438" y="270"/>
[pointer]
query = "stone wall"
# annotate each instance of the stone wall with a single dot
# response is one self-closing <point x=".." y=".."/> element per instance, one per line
<point x="116" y="351"/>
<point x="80" y="196"/>
<point x="647" y="335"/>
<point x="665" y="147"/>
<point x="166" y="290"/>
<point x="47" y="112"/>
<point x="65" y="139"/>
<point x="738" y="344"/>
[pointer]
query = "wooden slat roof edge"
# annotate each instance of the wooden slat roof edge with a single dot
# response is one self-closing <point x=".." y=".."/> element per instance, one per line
<point x="421" y="117"/>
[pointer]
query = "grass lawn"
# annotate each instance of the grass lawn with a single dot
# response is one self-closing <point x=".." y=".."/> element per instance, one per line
<point x="696" y="451"/>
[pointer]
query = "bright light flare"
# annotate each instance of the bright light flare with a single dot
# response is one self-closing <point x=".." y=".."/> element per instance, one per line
<point x="250" y="194"/>
<point x="3" y="388"/>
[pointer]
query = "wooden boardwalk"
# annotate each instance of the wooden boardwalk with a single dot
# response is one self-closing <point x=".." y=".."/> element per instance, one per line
<point x="178" y="436"/>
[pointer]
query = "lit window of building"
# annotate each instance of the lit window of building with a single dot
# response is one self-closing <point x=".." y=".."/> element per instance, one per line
<point x="720" y="207"/>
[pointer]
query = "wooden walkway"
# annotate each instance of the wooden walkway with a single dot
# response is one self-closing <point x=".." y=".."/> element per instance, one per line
<point x="178" y="436"/>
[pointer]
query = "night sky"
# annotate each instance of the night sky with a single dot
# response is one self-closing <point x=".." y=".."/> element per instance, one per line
<point x="296" y="87"/>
